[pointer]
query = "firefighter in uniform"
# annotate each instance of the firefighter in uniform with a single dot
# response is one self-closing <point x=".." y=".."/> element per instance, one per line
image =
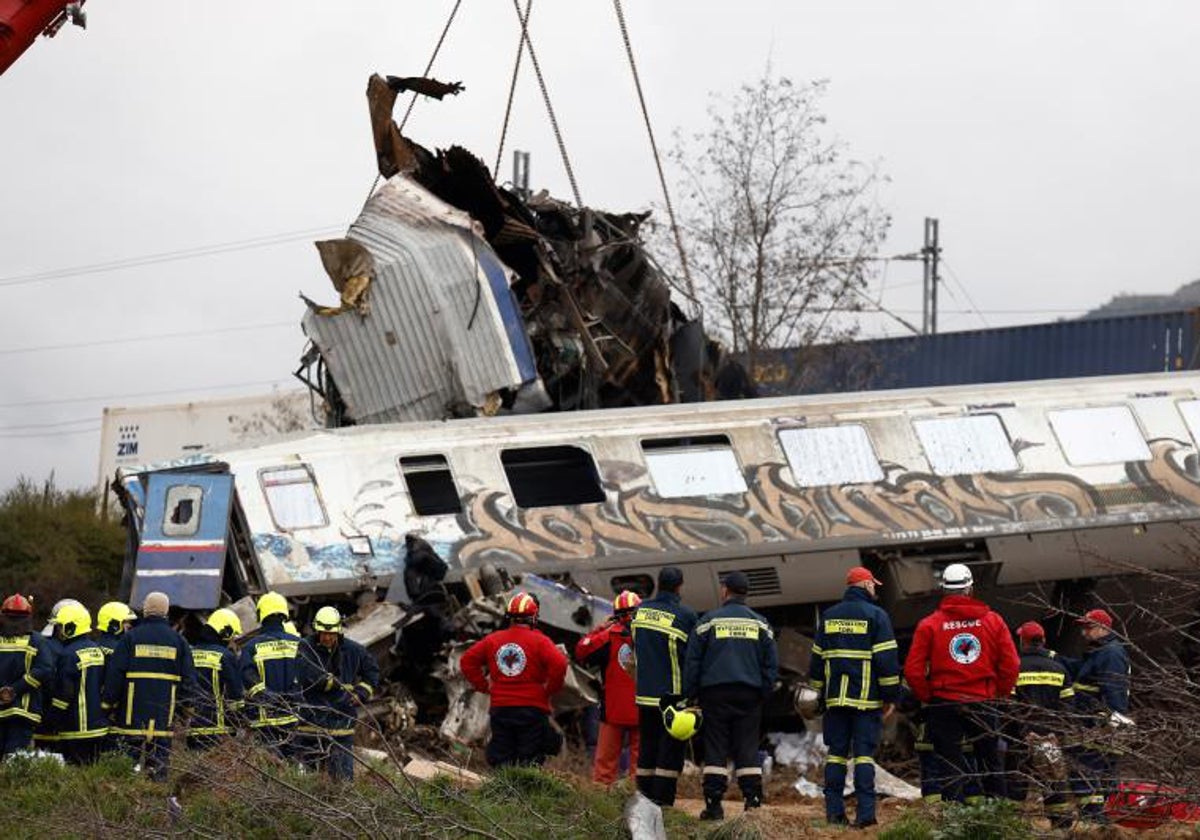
<point x="520" y="669"/>
<point x="661" y="627"/>
<point x="337" y="675"/>
<point x="271" y="677"/>
<point x="26" y="665"/>
<point x="962" y="659"/>
<point x="44" y="735"/>
<point x="113" y="619"/>
<point x="610" y="648"/>
<point x="731" y="665"/>
<point x="148" y="675"/>
<point x="1042" y="695"/>
<point x="1102" y="696"/>
<point x="856" y="667"/>
<point x="218" y="680"/>
<point x="81" y="722"/>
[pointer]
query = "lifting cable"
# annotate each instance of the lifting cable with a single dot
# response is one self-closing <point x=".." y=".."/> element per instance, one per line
<point x="537" y="70"/>
<point x="662" y="179"/>
<point x="413" y="99"/>
<point x="512" y="88"/>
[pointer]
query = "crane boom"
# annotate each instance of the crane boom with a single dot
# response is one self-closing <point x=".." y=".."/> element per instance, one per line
<point x="21" y="21"/>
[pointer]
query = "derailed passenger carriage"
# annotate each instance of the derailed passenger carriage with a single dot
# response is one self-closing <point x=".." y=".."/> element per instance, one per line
<point x="1032" y="484"/>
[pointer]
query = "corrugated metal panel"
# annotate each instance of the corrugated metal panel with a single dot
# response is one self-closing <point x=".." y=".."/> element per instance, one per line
<point x="443" y="325"/>
<point x="1160" y="342"/>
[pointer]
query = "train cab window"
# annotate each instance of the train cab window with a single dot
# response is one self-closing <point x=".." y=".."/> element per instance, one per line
<point x="181" y="514"/>
<point x="966" y="445"/>
<point x="1104" y="435"/>
<point x="292" y="497"/>
<point x="430" y="485"/>
<point x="830" y="455"/>
<point x="552" y="476"/>
<point x="693" y="466"/>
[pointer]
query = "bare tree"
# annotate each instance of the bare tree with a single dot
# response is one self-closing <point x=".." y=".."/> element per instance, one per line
<point x="779" y="224"/>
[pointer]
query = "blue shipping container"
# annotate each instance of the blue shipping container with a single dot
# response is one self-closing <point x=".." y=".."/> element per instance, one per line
<point x="1092" y="347"/>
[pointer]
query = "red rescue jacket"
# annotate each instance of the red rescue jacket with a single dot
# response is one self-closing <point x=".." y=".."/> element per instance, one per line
<point x="962" y="652"/>
<point x="611" y="647"/>
<point x="517" y="666"/>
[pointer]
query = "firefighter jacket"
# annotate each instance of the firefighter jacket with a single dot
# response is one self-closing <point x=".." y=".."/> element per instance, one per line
<point x="27" y="667"/>
<point x="1043" y="691"/>
<point x="962" y="652"/>
<point x="78" y="686"/>
<point x="271" y="675"/>
<point x="335" y="682"/>
<point x="149" y="672"/>
<point x="661" y="627"/>
<point x="1102" y="681"/>
<point x="855" y="662"/>
<point x="517" y="666"/>
<point x="610" y="648"/>
<point x="44" y="731"/>
<point x="732" y="645"/>
<point x="219" y="689"/>
<point x="108" y="642"/>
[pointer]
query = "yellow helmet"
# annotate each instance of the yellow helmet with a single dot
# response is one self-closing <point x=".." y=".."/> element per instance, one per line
<point x="272" y="604"/>
<point x="226" y="623"/>
<point x="328" y="620"/>
<point x="74" y="620"/>
<point x="681" y="724"/>
<point x="112" y="617"/>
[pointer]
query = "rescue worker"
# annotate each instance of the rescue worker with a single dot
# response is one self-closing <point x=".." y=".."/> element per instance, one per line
<point x="81" y="723"/>
<point x="855" y="665"/>
<point x="660" y="627"/>
<point x="1042" y="694"/>
<point x="219" y="688"/>
<point x="520" y="669"/>
<point x="1102" y="696"/>
<point x="113" y="619"/>
<point x="271" y="677"/>
<point x="610" y="648"/>
<point x="962" y="659"/>
<point x="337" y="676"/>
<point x="44" y="735"/>
<point x="149" y="675"/>
<point x="731" y="665"/>
<point x="26" y="666"/>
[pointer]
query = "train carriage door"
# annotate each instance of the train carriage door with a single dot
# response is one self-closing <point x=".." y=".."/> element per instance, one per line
<point x="181" y="548"/>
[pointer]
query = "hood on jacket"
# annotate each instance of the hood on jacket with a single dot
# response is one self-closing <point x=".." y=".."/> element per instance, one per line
<point x="963" y="606"/>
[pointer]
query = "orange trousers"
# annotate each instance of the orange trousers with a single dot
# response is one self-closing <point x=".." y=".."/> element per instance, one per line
<point x="608" y="752"/>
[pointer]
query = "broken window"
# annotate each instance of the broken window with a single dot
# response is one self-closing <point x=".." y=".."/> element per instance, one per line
<point x="830" y="456"/>
<point x="292" y="498"/>
<point x="181" y="514"/>
<point x="693" y="466"/>
<point x="552" y="476"/>
<point x="1092" y="436"/>
<point x="966" y="445"/>
<point x="430" y="485"/>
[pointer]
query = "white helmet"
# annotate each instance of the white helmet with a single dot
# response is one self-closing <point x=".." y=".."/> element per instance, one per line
<point x="956" y="577"/>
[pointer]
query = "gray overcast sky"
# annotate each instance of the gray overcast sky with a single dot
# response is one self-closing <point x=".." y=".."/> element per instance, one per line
<point x="1057" y="142"/>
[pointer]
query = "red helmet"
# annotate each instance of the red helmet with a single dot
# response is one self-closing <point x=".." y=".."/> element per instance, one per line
<point x="626" y="602"/>
<point x="16" y="605"/>
<point x="522" y="605"/>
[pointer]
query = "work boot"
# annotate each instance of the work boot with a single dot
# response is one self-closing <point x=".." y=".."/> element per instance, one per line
<point x="753" y="800"/>
<point x="712" y="809"/>
<point x="837" y="819"/>
<point x="861" y="824"/>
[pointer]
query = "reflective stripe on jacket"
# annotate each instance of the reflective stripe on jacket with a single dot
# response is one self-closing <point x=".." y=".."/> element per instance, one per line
<point x="78" y="685"/>
<point x="661" y="627"/>
<point x="855" y="662"/>
<point x="1102" y="681"/>
<point x="27" y="667"/>
<point x="148" y="675"/>
<point x="334" y="682"/>
<point x="271" y="676"/>
<point x="732" y="645"/>
<point x="218" y="688"/>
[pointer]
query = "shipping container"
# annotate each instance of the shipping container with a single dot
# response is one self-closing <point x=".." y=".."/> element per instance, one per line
<point x="1151" y="343"/>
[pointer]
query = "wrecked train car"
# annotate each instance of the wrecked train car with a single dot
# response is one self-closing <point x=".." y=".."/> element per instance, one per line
<point x="1033" y="483"/>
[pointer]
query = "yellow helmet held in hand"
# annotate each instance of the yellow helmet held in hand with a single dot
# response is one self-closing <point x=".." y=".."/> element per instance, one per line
<point x="226" y="623"/>
<point x="74" y="620"/>
<point x="681" y="724"/>
<point x="328" y="620"/>
<point x="272" y="604"/>
<point x="112" y="617"/>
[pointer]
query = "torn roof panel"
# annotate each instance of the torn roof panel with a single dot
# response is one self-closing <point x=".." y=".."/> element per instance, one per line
<point x="443" y="327"/>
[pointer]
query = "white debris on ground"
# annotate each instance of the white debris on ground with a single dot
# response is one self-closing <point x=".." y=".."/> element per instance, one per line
<point x="34" y="755"/>
<point x="806" y="751"/>
<point x="644" y="819"/>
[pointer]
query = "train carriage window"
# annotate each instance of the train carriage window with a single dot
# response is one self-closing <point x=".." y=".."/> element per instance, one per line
<point x="552" y="476"/>
<point x="1093" y="436"/>
<point x="430" y="485"/>
<point x="292" y="497"/>
<point x="966" y="445"/>
<point x="693" y="466"/>
<point x="830" y="455"/>
<point x="181" y="516"/>
<point x="1190" y="409"/>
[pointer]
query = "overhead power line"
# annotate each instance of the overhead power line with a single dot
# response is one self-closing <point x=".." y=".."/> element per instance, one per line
<point x="107" y="397"/>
